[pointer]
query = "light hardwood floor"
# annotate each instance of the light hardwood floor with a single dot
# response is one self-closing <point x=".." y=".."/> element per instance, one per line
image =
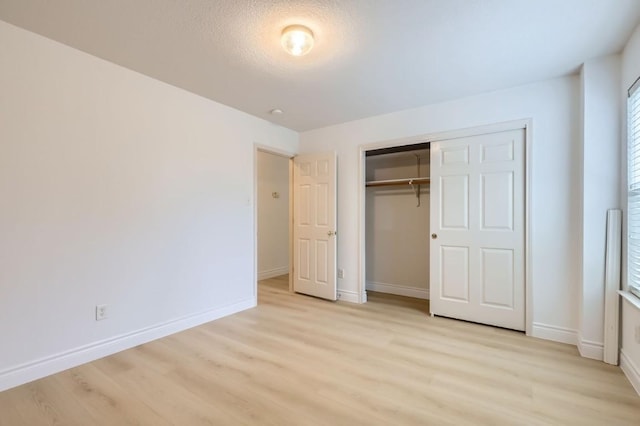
<point x="298" y="360"/>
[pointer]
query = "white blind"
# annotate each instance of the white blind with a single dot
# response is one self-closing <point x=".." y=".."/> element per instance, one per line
<point x="633" y="197"/>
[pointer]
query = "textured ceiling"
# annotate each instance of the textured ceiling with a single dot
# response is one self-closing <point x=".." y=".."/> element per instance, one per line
<point x="371" y="56"/>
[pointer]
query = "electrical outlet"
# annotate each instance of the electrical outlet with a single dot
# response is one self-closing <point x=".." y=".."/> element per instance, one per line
<point x="340" y="273"/>
<point x="101" y="312"/>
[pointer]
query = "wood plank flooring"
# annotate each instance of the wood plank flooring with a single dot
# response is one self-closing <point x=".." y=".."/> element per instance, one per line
<point x="296" y="360"/>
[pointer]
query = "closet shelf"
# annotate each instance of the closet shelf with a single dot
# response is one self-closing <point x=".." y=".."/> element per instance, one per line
<point x="392" y="182"/>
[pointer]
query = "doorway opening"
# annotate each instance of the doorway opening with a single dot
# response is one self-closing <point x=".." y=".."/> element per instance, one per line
<point x="397" y="220"/>
<point x="273" y="213"/>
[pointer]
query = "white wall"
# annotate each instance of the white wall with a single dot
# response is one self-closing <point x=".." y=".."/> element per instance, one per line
<point x="397" y="229"/>
<point x="115" y="189"/>
<point x="554" y="108"/>
<point x="601" y="112"/>
<point x="273" y="215"/>
<point x="630" y="347"/>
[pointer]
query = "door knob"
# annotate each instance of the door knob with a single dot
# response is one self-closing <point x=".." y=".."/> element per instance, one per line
<point x="330" y="233"/>
<point x="434" y="236"/>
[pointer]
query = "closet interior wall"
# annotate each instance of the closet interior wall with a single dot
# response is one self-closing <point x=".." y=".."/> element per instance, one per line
<point x="397" y="225"/>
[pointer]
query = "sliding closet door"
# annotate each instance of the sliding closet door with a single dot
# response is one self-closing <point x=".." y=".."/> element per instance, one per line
<point x="477" y="226"/>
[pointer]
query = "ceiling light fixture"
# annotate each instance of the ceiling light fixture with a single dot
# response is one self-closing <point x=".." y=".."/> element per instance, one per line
<point x="297" y="40"/>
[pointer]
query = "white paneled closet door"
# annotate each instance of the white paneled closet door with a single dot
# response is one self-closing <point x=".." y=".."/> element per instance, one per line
<point x="478" y="229"/>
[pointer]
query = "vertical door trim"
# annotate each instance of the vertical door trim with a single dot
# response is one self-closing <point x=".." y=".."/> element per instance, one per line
<point x="525" y="124"/>
<point x="291" y="183"/>
<point x="528" y="226"/>
<point x="362" y="221"/>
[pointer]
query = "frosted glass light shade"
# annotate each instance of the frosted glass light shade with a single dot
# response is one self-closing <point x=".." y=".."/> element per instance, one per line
<point x="297" y="40"/>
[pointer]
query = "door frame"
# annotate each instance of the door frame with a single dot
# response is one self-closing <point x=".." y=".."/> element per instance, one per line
<point x="525" y="124"/>
<point x="281" y="153"/>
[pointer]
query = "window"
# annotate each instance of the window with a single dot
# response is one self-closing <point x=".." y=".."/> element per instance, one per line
<point x="633" y="196"/>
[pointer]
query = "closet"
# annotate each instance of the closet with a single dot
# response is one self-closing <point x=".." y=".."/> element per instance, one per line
<point x="446" y="221"/>
<point x="397" y="220"/>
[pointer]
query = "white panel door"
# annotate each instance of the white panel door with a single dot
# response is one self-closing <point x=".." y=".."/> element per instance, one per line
<point x="477" y="224"/>
<point x="314" y="225"/>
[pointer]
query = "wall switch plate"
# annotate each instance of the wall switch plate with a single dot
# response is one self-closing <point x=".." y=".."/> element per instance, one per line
<point x="637" y="336"/>
<point x="101" y="312"/>
<point x="340" y="273"/>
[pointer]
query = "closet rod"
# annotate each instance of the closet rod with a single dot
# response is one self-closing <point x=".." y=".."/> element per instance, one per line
<point x="397" y="182"/>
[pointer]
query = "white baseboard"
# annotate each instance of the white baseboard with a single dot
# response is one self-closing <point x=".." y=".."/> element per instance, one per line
<point x="348" y="296"/>
<point x="275" y="272"/>
<point x="630" y="370"/>
<point x="43" y="367"/>
<point x="399" y="290"/>
<point x="589" y="349"/>
<point x="554" y="333"/>
<point x="586" y="348"/>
